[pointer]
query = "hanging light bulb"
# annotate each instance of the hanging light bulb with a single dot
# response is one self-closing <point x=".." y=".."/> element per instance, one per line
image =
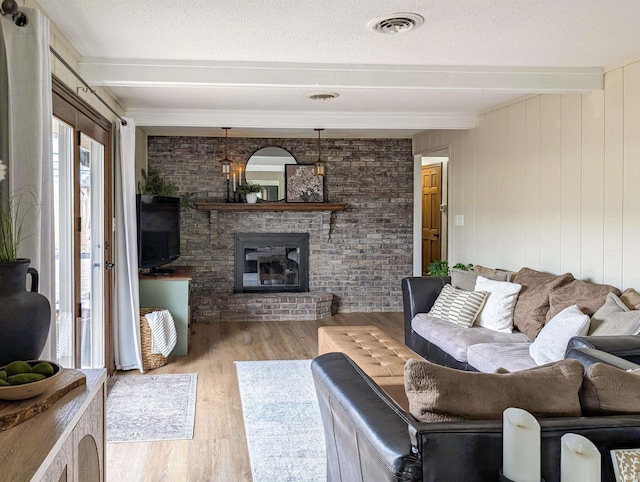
<point x="226" y="163"/>
<point x="320" y="166"/>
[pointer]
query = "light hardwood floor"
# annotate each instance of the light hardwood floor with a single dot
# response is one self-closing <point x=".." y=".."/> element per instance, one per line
<point x="218" y="450"/>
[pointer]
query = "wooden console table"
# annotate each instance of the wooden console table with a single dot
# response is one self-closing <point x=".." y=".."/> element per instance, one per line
<point x="170" y="292"/>
<point x="64" y="443"/>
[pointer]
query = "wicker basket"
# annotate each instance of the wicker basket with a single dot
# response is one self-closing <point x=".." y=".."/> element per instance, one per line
<point x="149" y="360"/>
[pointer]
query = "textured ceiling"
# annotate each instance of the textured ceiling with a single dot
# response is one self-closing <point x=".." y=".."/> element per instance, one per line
<point x="165" y="58"/>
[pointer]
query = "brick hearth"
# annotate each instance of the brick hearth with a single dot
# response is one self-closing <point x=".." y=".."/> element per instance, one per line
<point x="266" y="306"/>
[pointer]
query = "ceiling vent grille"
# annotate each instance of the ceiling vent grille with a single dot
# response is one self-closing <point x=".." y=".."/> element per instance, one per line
<point x="396" y="23"/>
<point x="322" y="96"/>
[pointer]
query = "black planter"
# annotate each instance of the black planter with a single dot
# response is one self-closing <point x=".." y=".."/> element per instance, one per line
<point x="25" y="316"/>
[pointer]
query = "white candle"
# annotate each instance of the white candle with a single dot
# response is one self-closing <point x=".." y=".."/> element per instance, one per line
<point x="579" y="459"/>
<point x="520" y="446"/>
<point x="234" y="182"/>
<point x="240" y="176"/>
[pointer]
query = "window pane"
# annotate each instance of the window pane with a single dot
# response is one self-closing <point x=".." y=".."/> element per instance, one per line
<point x="91" y="252"/>
<point x="63" y="232"/>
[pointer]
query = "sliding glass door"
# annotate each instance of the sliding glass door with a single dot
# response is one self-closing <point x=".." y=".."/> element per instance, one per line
<point x="82" y="234"/>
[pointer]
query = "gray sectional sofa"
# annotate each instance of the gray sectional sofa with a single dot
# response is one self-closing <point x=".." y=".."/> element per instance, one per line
<point x="486" y="350"/>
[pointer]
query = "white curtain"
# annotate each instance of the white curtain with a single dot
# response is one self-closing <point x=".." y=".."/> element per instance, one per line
<point x="126" y="325"/>
<point x="25" y="142"/>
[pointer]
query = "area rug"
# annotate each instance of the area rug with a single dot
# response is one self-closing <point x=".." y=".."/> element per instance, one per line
<point x="148" y="408"/>
<point x="282" y="421"/>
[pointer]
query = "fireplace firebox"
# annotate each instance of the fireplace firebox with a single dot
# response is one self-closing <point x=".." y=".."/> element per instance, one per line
<point x="271" y="262"/>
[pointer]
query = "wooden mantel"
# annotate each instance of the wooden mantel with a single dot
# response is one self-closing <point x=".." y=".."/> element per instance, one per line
<point x="270" y="206"/>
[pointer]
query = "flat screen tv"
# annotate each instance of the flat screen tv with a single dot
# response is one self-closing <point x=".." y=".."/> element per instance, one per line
<point x="158" y="231"/>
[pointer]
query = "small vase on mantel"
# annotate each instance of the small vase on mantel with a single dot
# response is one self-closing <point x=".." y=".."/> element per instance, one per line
<point x="25" y="316"/>
<point x="251" y="197"/>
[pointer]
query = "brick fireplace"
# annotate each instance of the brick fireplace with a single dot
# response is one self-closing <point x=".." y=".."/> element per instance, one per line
<point x="357" y="257"/>
<point x="271" y="262"/>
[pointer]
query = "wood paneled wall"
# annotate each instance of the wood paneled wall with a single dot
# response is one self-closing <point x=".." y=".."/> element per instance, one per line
<point x="551" y="182"/>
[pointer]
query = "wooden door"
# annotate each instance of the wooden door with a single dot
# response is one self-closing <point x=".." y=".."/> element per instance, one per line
<point x="431" y="218"/>
<point x="83" y="231"/>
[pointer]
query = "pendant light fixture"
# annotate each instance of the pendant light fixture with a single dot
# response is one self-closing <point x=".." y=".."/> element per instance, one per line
<point x="320" y="166"/>
<point x="226" y="163"/>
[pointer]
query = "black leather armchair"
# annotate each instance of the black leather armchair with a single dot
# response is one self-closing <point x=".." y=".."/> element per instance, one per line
<point x="370" y="438"/>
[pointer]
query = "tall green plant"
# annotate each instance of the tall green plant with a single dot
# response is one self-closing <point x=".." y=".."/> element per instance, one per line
<point x="12" y="218"/>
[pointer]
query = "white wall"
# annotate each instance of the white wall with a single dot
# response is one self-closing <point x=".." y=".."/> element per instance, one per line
<point x="61" y="45"/>
<point x="551" y="182"/>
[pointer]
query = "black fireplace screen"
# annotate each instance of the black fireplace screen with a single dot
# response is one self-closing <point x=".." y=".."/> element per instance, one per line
<point x="271" y="262"/>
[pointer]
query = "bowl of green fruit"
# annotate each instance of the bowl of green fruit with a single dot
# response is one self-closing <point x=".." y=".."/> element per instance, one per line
<point x="20" y="380"/>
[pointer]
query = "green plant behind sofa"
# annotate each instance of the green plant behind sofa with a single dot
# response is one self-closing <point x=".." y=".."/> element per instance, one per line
<point x="440" y="267"/>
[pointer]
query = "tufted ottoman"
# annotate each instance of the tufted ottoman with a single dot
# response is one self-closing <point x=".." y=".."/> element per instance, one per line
<point x="376" y="353"/>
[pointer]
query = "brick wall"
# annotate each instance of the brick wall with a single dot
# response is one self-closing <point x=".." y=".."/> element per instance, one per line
<point x="360" y="254"/>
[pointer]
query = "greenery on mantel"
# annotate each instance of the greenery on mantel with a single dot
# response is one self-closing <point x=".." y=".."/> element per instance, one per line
<point x="249" y="187"/>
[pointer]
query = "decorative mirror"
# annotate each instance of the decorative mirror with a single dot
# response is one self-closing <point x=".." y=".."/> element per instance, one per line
<point x="266" y="167"/>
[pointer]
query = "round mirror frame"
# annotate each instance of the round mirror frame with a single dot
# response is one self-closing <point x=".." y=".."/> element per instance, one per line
<point x="271" y="173"/>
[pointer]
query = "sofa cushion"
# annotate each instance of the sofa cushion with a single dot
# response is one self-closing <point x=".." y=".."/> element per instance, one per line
<point x="614" y="319"/>
<point x="494" y="357"/>
<point x="588" y="296"/>
<point x="608" y="390"/>
<point x="463" y="279"/>
<point x="530" y="313"/>
<point x="631" y="298"/>
<point x="497" y="312"/>
<point x="551" y="343"/>
<point x="458" y="306"/>
<point x="438" y="393"/>
<point x="492" y="273"/>
<point x="455" y="339"/>
<point x="466" y="280"/>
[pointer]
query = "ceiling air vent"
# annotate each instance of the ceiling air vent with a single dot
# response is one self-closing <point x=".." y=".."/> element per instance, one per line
<point x="322" y="96"/>
<point x="396" y="23"/>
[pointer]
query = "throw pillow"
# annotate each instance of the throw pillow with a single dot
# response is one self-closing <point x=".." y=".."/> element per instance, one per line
<point x="530" y="313"/>
<point x="607" y="390"/>
<point x="463" y="280"/>
<point x="614" y="319"/>
<point x="438" y="393"/>
<point x="466" y="280"/>
<point x="458" y="306"/>
<point x="588" y="296"/>
<point x="497" y="312"/>
<point x="631" y="298"/>
<point x="491" y="273"/>
<point x="551" y="344"/>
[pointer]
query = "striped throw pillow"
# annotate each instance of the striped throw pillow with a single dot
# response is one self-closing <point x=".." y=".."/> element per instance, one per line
<point x="458" y="306"/>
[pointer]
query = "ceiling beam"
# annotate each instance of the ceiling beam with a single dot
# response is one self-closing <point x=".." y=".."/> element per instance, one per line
<point x="301" y="120"/>
<point x="525" y="80"/>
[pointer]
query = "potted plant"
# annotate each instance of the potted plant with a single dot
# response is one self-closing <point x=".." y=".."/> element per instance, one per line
<point x="153" y="184"/>
<point x="250" y="191"/>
